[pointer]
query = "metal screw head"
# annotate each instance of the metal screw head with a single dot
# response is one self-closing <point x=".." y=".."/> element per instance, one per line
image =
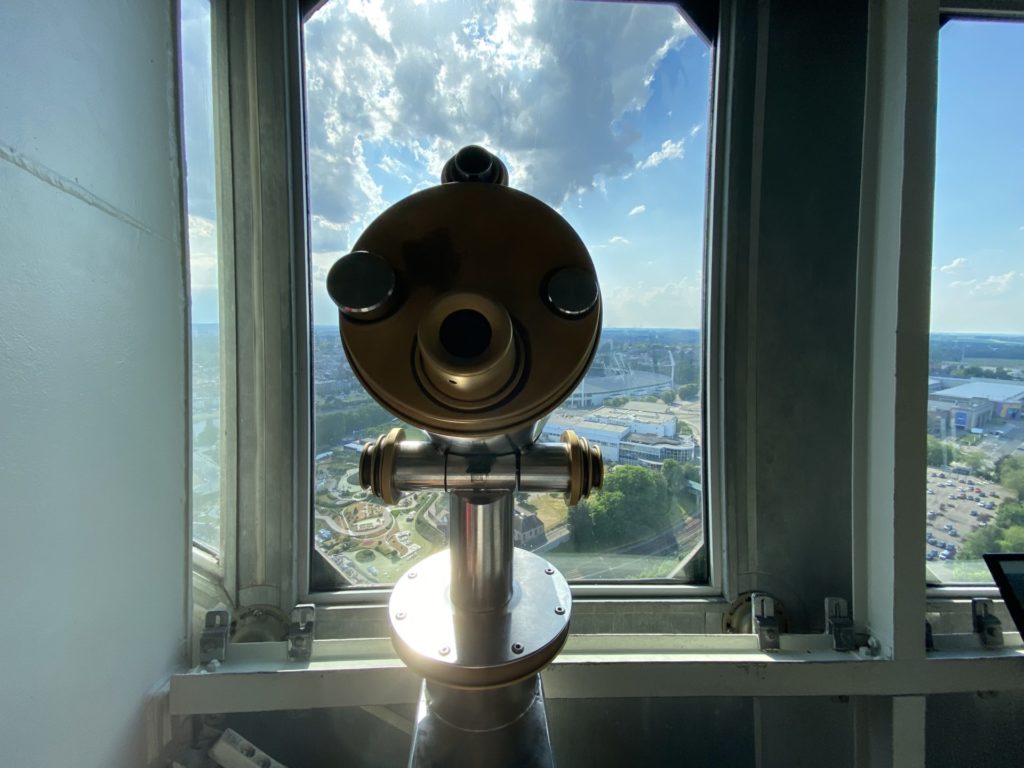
<point x="411" y="575"/>
<point x="549" y="571"/>
<point x="518" y="648"/>
<point x="560" y="610"/>
<point x="400" y="615"/>
<point x="444" y="650"/>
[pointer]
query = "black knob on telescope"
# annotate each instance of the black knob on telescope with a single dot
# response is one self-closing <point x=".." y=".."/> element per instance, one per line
<point x="475" y="163"/>
<point x="572" y="292"/>
<point x="362" y="284"/>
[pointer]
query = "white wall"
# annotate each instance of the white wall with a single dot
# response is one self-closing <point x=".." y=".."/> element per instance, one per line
<point x="92" y="379"/>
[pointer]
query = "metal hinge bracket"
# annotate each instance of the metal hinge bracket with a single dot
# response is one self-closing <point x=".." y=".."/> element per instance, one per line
<point x="839" y="624"/>
<point x="300" y="632"/>
<point x="986" y="623"/>
<point x="766" y="625"/>
<point x="213" y="642"/>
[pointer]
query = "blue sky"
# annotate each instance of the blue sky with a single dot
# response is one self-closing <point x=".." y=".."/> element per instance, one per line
<point x="600" y="110"/>
<point x="978" y="248"/>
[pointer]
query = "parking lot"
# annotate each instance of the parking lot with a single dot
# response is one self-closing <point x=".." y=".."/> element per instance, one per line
<point x="957" y="506"/>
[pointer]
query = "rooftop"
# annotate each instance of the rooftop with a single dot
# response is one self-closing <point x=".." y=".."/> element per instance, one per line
<point x="624" y="382"/>
<point x="630" y="414"/>
<point x="682" y="442"/>
<point x="997" y="391"/>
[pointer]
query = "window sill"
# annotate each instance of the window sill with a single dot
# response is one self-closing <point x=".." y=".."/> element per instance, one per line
<point x="365" y="672"/>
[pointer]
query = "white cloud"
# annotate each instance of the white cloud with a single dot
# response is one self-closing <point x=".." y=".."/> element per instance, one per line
<point x="638" y="210"/>
<point x="399" y="87"/>
<point x="618" y="240"/>
<point x="395" y="168"/>
<point x="953" y="266"/>
<point x="695" y="130"/>
<point x="670" y="150"/>
<point x="675" y="304"/>
<point x="202" y="253"/>
<point x="996" y="283"/>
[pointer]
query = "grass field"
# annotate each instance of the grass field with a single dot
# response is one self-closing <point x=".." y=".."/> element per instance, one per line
<point x="550" y="508"/>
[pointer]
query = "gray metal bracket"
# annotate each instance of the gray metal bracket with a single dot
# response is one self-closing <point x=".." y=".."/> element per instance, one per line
<point x="765" y="623"/>
<point x="300" y="632"/>
<point x="986" y="623"/>
<point x="213" y="642"/>
<point x="839" y="624"/>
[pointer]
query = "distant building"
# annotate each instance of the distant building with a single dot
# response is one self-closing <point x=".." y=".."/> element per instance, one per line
<point x="1007" y="397"/>
<point x="643" y="421"/>
<point x="653" y="450"/>
<point x="606" y="436"/>
<point x="527" y="529"/>
<point x="627" y="435"/>
<point x="594" y="390"/>
<point x="952" y="417"/>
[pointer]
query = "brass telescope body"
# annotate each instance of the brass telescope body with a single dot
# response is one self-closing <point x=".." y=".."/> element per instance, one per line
<point x="472" y="310"/>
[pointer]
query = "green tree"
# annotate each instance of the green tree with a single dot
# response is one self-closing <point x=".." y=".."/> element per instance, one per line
<point x="581" y="525"/>
<point x="668" y="396"/>
<point x="973" y="459"/>
<point x="1011" y="513"/>
<point x="689" y="391"/>
<point x="981" y="541"/>
<point x="632" y="506"/>
<point x="941" y="452"/>
<point x="1012" y="539"/>
<point x="678" y="476"/>
<point x="1010" y="471"/>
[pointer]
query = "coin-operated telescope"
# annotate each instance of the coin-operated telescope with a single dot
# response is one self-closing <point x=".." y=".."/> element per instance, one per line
<point x="471" y="310"/>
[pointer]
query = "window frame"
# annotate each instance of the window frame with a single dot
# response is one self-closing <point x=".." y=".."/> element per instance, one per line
<point x="269" y="569"/>
<point x="891" y="690"/>
<point x="941" y="596"/>
<point x="711" y="460"/>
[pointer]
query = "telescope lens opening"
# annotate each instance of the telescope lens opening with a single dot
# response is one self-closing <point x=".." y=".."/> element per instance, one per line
<point x="465" y="334"/>
<point x="473" y="161"/>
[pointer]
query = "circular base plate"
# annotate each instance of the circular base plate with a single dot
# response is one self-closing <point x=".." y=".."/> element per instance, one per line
<point x="479" y="650"/>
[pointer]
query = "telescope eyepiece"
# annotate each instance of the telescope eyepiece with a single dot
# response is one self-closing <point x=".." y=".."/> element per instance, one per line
<point x="475" y="164"/>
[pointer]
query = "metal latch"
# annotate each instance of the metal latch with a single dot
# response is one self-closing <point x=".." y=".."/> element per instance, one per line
<point x="213" y="642"/>
<point x="300" y="632"/>
<point x="986" y="623"/>
<point x="839" y="624"/>
<point x="766" y="625"/>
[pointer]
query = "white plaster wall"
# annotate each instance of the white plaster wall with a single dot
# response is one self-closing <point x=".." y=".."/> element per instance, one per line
<point x="93" y="494"/>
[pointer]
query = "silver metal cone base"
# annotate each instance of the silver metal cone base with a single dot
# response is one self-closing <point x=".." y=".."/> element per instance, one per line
<point x="448" y="735"/>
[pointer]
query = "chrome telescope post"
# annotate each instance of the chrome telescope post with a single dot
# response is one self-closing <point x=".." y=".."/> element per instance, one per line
<point x="496" y="299"/>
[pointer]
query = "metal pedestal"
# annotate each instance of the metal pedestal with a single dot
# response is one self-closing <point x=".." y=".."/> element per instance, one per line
<point x="491" y="728"/>
<point x="479" y="622"/>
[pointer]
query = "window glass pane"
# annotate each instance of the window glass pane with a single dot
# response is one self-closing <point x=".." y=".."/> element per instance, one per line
<point x="598" y="109"/>
<point x="197" y="100"/>
<point x="976" y="366"/>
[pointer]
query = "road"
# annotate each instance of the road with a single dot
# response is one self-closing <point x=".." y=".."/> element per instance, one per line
<point x="690" y="413"/>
